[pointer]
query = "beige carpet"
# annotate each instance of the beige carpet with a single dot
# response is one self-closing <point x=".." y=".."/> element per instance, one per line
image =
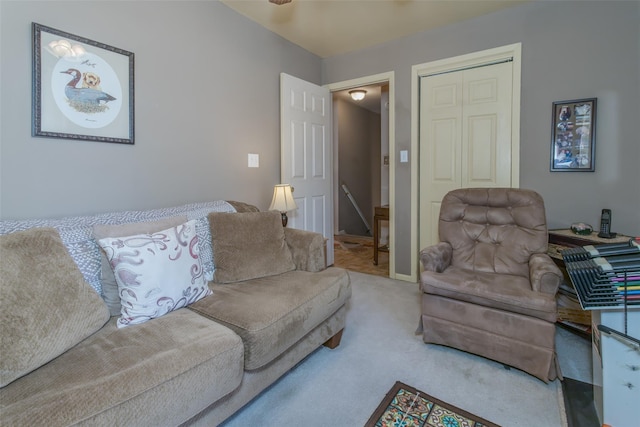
<point x="342" y="387"/>
<point x="355" y="253"/>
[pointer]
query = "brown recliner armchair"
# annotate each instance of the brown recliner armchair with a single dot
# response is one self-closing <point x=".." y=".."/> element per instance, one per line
<point x="489" y="287"/>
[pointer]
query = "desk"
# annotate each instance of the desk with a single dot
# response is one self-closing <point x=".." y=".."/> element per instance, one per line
<point x="615" y="356"/>
<point x="381" y="213"/>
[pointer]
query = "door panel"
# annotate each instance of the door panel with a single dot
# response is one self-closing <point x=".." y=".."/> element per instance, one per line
<point x="319" y="207"/>
<point x="297" y="151"/>
<point x="319" y="150"/>
<point x="306" y="153"/>
<point x="481" y="166"/>
<point x="487" y="126"/>
<point x="441" y="144"/>
<point x="443" y="161"/>
<point x="297" y="220"/>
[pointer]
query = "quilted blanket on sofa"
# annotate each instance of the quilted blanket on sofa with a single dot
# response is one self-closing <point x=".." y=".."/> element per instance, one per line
<point x="77" y="233"/>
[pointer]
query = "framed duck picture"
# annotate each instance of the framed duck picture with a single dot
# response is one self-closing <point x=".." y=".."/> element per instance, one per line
<point x="82" y="89"/>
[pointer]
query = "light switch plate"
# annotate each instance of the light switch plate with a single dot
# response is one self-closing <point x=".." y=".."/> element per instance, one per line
<point x="404" y="156"/>
<point x="254" y="160"/>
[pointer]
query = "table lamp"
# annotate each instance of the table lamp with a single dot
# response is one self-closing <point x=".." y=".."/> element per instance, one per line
<point x="283" y="201"/>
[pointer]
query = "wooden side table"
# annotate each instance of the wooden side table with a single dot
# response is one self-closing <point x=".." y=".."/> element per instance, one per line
<point x="566" y="237"/>
<point x="381" y="213"/>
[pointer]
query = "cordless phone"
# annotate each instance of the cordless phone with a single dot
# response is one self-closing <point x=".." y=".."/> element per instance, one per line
<point x="605" y="225"/>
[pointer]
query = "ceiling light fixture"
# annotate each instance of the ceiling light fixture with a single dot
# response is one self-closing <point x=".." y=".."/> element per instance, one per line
<point x="279" y="1"/>
<point x="358" y="94"/>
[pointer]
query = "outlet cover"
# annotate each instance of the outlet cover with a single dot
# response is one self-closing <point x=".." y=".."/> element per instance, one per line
<point x="254" y="160"/>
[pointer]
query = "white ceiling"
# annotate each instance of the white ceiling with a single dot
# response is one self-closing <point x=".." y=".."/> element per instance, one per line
<point x="333" y="27"/>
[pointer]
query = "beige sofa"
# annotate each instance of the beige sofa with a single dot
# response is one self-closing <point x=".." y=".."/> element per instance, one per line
<point x="65" y="360"/>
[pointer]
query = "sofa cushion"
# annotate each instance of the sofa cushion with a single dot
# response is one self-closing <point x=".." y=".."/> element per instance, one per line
<point x="47" y="307"/>
<point x="248" y="245"/>
<point x="116" y="374"/>
<point x="101" y="231"/>
<point x="272" y="313"/>
<point x="156" y="273"/>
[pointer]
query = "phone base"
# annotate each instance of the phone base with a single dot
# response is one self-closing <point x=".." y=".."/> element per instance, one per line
<point x="607" y="235"/>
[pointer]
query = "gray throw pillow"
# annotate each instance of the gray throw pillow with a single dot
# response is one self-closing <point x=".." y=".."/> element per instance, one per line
<point x="46" y="305"/>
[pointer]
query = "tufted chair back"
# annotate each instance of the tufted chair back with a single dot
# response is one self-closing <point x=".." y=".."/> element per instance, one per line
<point x="494" y="230"/>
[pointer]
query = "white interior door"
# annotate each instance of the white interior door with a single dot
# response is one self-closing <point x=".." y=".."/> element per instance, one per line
<point x="306" y="155"/>
<point x="465" y="136"/>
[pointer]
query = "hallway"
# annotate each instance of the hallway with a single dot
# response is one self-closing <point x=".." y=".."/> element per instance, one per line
<point x="355" y="253"/>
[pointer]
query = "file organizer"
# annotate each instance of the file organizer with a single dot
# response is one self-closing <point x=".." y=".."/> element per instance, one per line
<point x="605" y="276"/>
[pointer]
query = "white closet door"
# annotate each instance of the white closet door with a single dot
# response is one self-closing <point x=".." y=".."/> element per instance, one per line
<point x="465" y="136"/>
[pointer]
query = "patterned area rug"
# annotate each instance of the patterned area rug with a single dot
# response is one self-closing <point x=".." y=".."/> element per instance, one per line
<point x="404" y="406"/>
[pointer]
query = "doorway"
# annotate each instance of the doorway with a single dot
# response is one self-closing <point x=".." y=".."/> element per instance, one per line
<point x="363" y="172"/>
<point x="363" y="178"/>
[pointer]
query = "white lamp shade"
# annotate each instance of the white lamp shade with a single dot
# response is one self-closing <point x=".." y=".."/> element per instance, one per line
<point x="282" y="199"/>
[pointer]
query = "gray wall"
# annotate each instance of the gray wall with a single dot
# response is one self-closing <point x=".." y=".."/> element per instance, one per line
<point x="570" y="50"/>
<point x="359" y="165"/>
<point x="207" y="94"/>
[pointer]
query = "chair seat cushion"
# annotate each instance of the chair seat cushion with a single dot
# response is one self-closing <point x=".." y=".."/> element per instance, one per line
<point x="272" y="313"/>
<point x="501" y="291"/>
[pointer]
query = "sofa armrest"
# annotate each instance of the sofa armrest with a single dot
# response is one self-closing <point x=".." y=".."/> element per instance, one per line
<point x="544" y="274"/>
<point x="437" y="257"/>
<point x="307" y="249"/>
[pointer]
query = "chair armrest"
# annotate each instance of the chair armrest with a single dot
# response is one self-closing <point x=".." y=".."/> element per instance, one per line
<point x="307" y="249"/>
<point x="544" y="274"/>
<point x="437" y="257"/>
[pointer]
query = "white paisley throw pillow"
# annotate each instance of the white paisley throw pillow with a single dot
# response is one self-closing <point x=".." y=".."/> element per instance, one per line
<point x="156" y="273"/>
